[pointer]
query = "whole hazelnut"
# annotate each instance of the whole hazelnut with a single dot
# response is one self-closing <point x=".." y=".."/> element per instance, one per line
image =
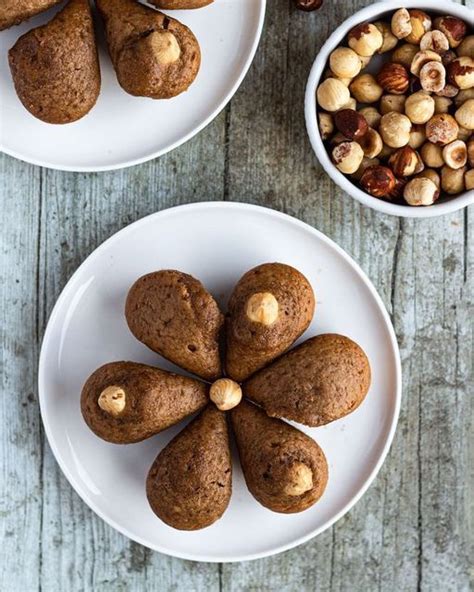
<point x="347" y="157"/>
<point x="434" y="41"/>
<point x="421" y="58"/>
<point x="433" y="77"/>
<point x="389" y="39"/>
<point x="225" y="394"/>
<point x="463" y="96"/>
<point x="469" y="180"/>
<point x="365" y="39"/>
<point x="406" y="162"/>
<point x="397" y="191"/>
<point x="371" y="143"/>
<point x="420" y="107"/>
<point x="299" y="479"/>
<point x="420" y="191"/>
<point x="164" y="46"/>
<point x="401" y="23"/>
<point x="378" y="181"/>
<point x="461" y="72"/>
<point x="326" y="125"/>
<point x="372" y="116"/>
<point x="365" y="89"/>
<point x="395" y="129"/>
<point x="417" y="136"/>
<point x="464" y="134"/>
<point x="465" y="114"/>
<point x="453" y="27"/>
<point x="351" y="123"/>
<point x="337" y="139"/>
<point x="442" y="129"/>
<point x="452" y="180"/>
<point x="332" y="95"/>
<point x="344" y="62"/>
<point x="455" y="154"/>
<point x="386" y="152"/>
<point x="420" y="24"/>
<point x="466" y="47"/>
<point x="351" y="104"/>
<point x="442" y="104"/>
<point x="112" y="400"/>
<point x="432" y="155"/>
<point x="366" y="163"/>
<point x="432" y="175"/>
<point x="262" y="308"/>
<point x="404" y="54"/>
<point x="392" y="103"/>
<point x="393" y="78"/>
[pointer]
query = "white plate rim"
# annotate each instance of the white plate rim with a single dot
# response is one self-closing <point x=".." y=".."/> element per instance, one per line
<point x="129" y="163"/>
<point x="275" y="214"/>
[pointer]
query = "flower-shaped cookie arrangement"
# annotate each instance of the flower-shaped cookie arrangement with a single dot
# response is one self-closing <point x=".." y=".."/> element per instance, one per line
<point x="190" y="483"/>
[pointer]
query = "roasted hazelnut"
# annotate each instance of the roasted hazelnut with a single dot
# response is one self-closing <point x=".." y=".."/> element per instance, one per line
<point x="420" y="24"/>
<point x="469" y="180"/>
<point x="432" y="175"/>
<point x="461" y="72"/>
<point x="326" y="125"/>
<point x="337" y="139"/>
<point x="365" y="39"/>
<point x="344" y="62"/>
<point x="420" y="191"/>
<point x="351" y="104"/>
<point x="432" y="155"/>
<point x="262" y="308"/>
<point x="395" y="129"/>
<point x="371" y="143"/>
<point x="466" y="47"/>
<point x="463" y="96"/>
<point x="393" y="78"/>
<point x="372" y="116"/>
<point x="351" y="123"/>
<point x="420" y="107"/>
<point x="347" y="157"/>
<point x="401" y="23"/>
<point x="449" y="91"/>
<point x="406" y="162"/>
<point x="421" y="58"/>
<point x="386" y="152"/>
<point x="455" y="154"/>
<point x="404" y="54"/>
<point x="452" y="180"/>
<point x="389" y="39"/>
<point x="332" y="95"/>
<point x="397" y="191"/>
<point x="417" y="137"/>
<point x="434" y="41"/>
<point x="442" y="104"/>
<point x="365" y="89"/>
<point x="464" y="134"/>
<point x="366" y="163"/>
<point x="378" y="180"/>
<point x="454" y="29"/>
<point x="392" y="103"/>
<point x="465" y="114"/>
<point x="433" y="76"/>
<point x="225" y="394"/>
<point x="442" y="129"/>
<point x="113" y="400"/>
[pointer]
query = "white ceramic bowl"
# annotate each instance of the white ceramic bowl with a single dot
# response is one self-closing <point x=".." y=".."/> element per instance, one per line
<point x="371" y="13"/>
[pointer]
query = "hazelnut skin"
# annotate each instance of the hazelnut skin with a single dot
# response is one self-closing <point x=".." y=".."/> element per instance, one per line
<point x="365" y="39"/>
<point x="378" y="181"/>
<point x="442" y="129"/>
<point x="393" y="78"/>
<point x="420" y="24"/>
<point x="351" y="124"/>
<point x="371" y="143"/>
<point x="454" y="28"/>
<point x="461" y="72"/>
<point x="406" y="162"/>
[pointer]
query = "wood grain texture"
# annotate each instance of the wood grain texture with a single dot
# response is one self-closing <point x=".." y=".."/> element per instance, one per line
<point x="413" y="529"/>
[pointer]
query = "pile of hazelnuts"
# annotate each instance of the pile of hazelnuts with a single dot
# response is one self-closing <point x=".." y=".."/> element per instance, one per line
<point x="406" y="133"/>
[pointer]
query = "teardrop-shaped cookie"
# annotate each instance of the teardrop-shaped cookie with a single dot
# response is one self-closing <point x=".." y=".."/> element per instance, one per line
<point x="271" y="306"/>
<point x="153" y="54"/>
<point x="55" y="68"/>
<point x="285" y="470"/>
<point x="14" y="12"/>
<point x="323" y="379"/>
<point x="174" y="315"/>
<point x="125" y="402"/>
<point x="190" y="483"/>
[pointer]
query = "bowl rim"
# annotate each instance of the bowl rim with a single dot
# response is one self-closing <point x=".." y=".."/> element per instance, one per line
<point x="370" y="12"/>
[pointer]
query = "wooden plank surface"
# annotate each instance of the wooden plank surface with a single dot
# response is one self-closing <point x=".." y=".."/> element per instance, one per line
<point x="413" y="530"/>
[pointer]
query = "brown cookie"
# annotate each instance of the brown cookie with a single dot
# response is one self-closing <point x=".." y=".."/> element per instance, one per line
<point x="271" y="306"/>
<point x="180" y="4"/>
<point x="14" y="12"/>
<point x="125" y="402"/>
<point x="55" y="67"/>
<point x="174" y="315"/>
<point x="322" y="380"/>
<point x="153" y="54"/>
<point x="190" y="483"/>
<point x="285" y="470"/>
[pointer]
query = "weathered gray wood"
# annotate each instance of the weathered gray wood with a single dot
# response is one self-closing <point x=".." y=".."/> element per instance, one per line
<point x="413" y="529"/>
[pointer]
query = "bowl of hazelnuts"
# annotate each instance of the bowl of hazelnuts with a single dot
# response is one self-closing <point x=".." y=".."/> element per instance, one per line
<point x="390" y="107"/>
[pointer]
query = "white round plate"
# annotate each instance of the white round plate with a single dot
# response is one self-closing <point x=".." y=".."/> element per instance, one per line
<point x="215" y="242"/>
<point x="123" y="130"/>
